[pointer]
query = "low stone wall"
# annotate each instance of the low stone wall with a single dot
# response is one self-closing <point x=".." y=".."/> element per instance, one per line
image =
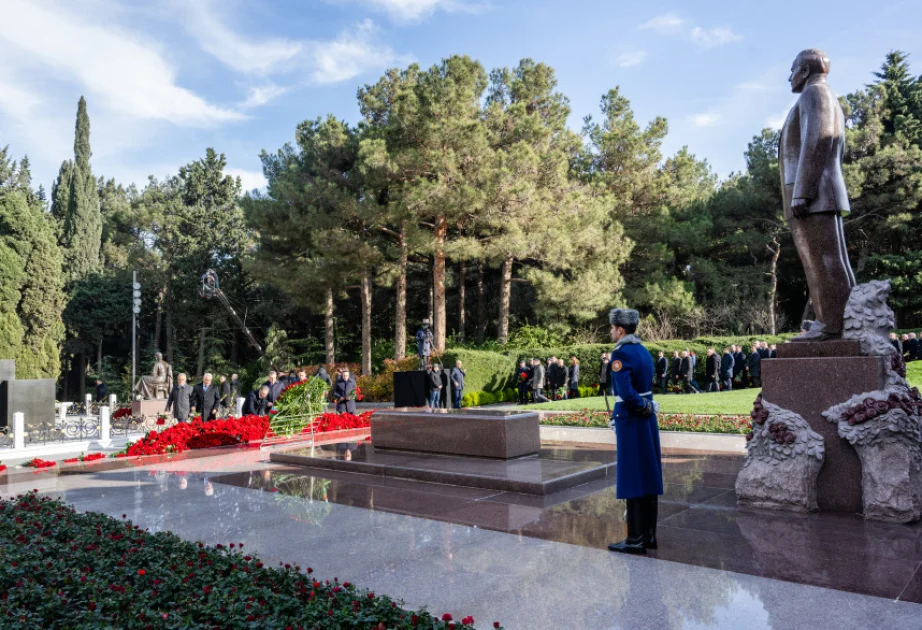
<point x="711" y="442"/>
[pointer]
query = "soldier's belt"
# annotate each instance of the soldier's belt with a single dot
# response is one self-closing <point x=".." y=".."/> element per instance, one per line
<point x="619" y="399"/>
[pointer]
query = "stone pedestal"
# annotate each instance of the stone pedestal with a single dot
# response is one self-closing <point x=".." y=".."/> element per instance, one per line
<point x="808" y="379"/>
<point x="478" y="433"/>
<point x="148" y="408"/>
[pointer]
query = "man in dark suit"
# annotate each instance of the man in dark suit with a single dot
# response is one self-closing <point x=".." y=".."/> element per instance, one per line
<point x="896" y="343"/>
<point x="662" y="368"/>
<point x="675" y="367"/>
<point x="257" y="402"/>
<point x="275" y="386"/>
<point x="754" y="367"/>
<point x="763" y="349"/>
<point x="810" y="151"/>
<point x="205" y="397"/>
<point x="604" y="373"/>
<point x="101" y="391"/>
<point x="180" y="399"/>
<point x="739" y="362"/>
<point x="912" y="347"/>
<point x="773" y="351"/>
<point x="343" y="389"/>
<point x="712" y="370"/>
<point x="686" y="373"/>
<point x="726" y="369"/>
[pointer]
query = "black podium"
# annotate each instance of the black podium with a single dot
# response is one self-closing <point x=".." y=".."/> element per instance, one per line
<point x="410" y="389"/>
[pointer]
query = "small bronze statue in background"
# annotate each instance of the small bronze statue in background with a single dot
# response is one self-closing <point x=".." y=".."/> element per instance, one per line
<point x="810" y="154"/>
<point x="159" y="384"/>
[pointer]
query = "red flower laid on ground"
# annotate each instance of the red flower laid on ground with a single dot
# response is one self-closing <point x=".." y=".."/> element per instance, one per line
<point x="2" y="467"/>
<point x="40" y="463"/>
<point x="121" y="412"/>
<point x="339" y="422"/>
<point x="92" y="457"/>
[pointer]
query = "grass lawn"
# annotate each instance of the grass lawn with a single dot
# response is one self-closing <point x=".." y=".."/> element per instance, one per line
<point x="737" y="402"/>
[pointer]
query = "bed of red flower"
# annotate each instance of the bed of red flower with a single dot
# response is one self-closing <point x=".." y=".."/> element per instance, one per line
<point x="233" y="431"/>
<point x="61" y="569"/>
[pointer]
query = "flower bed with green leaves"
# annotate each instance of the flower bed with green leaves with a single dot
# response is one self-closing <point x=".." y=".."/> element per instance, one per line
<point x="667" y="421"/>
<point x="61" y="569"/>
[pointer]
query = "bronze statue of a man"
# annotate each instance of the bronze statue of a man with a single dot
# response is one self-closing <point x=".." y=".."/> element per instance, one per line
<point x="160" y="382"/>
<point x="815" y="199"/>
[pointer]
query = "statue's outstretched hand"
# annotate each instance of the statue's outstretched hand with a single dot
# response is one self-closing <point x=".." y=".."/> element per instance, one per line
<point x="799" y="207"/>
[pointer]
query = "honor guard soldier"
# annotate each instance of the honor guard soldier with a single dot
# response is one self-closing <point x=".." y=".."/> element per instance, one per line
<point x="639" y="475"/>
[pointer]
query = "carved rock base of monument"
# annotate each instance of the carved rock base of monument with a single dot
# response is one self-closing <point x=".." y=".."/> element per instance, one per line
<point x="810" y="386"/>
<point x="885" y="428"/>
<point x="891" y="482"/>
<point x="783" y="460"/>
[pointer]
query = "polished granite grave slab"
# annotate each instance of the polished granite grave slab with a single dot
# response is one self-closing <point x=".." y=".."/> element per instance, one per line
<point x="470" y="432"/>
<point x="551" y="470"/>
<point x="700" y="523"/>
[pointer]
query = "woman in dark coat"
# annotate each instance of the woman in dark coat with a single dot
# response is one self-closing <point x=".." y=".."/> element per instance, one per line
<point x="573" y="378"/>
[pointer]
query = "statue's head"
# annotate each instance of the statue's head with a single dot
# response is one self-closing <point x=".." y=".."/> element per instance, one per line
<point x="809" y="63"/>
<point x="158" y="356"/>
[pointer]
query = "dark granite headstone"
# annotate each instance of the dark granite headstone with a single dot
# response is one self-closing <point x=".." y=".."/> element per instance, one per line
<point x="7" y="370"/>
<point x="33" y="397"/>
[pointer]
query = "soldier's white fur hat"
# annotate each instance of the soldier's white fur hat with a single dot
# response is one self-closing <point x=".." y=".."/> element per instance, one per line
<point x="623" y="317"/>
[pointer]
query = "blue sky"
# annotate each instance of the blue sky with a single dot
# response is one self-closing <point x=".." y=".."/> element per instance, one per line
<point x="164" y="79"/>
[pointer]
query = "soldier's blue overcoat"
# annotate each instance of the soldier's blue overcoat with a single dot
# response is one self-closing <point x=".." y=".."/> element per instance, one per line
<point x="640" y="468"/>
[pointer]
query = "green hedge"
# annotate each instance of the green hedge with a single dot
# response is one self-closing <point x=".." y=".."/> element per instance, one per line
<point x="480" y="398"/>
<point x="485" y="371"/>
<point x="493" y="372"/>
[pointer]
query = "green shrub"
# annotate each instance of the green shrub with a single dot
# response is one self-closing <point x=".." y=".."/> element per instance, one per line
<point x="486" y="371"/>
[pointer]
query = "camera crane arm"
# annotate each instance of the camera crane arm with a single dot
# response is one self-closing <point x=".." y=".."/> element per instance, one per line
<point x="210" y="288"/>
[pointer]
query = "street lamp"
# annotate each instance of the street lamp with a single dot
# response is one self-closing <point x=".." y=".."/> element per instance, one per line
<point x="135" y="309"/>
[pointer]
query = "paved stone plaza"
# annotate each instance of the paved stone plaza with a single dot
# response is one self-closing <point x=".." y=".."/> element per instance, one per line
<point x="530" y="562"/>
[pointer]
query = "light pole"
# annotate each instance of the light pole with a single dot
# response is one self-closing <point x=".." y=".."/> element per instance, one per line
<point x="135" y="309"/>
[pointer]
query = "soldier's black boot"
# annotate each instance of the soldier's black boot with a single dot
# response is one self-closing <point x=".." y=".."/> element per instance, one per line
<point x="634" y="543"/>
<point x="651" y="510"/>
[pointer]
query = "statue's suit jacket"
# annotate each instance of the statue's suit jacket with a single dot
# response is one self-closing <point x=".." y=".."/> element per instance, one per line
<point x="810" y="151"/>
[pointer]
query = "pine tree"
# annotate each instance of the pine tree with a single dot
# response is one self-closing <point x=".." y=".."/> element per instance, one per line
<point x="902" y="98"/>
<point x="81" y="230"/>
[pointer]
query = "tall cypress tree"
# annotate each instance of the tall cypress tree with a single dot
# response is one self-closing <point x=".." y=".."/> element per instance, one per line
<point x="31" y="287"/>
<point x="81" y="231"/>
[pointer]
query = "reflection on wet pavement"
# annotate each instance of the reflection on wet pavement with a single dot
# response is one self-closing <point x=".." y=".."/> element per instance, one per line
<point x="498" y="555"/>
<point x="699" y="520"/>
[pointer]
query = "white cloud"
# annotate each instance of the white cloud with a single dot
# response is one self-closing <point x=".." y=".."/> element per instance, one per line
<point x="710" y="38"/>
<point x="249" y="179"/>
<point x="416" y="10"/>
<point x="202" y="20"/>
<point x="633" y="58"/>
<point x="672" y="24"/>
<point x="349" y="55"/>
<point x="663" y="23"/>
<point x="259" y="95"/>
<point x="119" y="70"/>
<point x="704" y="120"/>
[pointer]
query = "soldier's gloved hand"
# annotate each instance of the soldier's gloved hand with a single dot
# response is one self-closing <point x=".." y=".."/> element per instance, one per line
<point x="647" y="410"/>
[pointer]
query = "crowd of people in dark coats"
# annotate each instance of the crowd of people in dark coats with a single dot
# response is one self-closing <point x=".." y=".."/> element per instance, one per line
<point x="733" y="368"/>
<point x="212" y="401"/>
<point x="908" y="345"/>
<point x="555" y="381"/>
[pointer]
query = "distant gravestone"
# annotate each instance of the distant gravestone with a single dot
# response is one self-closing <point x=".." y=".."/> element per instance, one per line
<point x="32" y="397"/>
